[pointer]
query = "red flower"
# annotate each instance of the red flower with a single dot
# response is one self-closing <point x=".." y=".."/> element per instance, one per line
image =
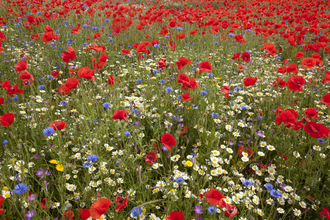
<point x="58" y="125"/>
<point x="21" y="65"/>
<point x="43" y="203"/>
<point x="55" y="73"/>
<point x="86" y="72"/>
<point x="84" y="214"/>
<point x="225" y="89"/>
<point x="175" y="216"/>
<point x="183" y="130"/>
<point x="327" y="77"/>
<point x="182" y="77"/>
<point x="180" y="36"/>
<point x="120" y="114"/>
<point x="111" y="80"/>
<point x="7" y="119"/>
<point x="68" y="215"/>
<point x="239" y="38"/>
<point x="292" y="68"/>
<point x="68" y="55"/>
<point x="75" y="30"/>
<point x="245" y="56"/>
<point x="182" y="62"/>
<point x="287" y="116"/>
<point x="204" y="66"/>
<point x="168" y="140"/>
<point x="2" y="100"/>
<point x="162" y="62"/>
<point x="1" y="200"/>
<point x="236" y="56"/>
<point x="186" y="96"/>
<point x="97" y="35"/>
<point x="125" y="51"/>
<point x="99" y="207"/>
<point x="250" y="81"/>
<point x="282" y="69"/>
<point x="270" y="47"/>
<point x="296" y="125"/>
<point x="308" y="63"/>
<point x="103" y="60"/>
<point x="193" y="32"/>
<point x="299" y="55"/>
<point x="325" y="213"/>
<point x="311" y="113"/>
<point x="326" y="99"/>
<point x="72" y="83"/>
<point x="296" y="82"/>
<point x="214" y="197"/>
<point x="26" y="77"/>
<point x="316" y="130"/>
<point x="14" y="89"/>
<point x="279" y="82"/>
<point x="122" y="203"/>
<point x="231" y="210"/>
<point x="150" y="158"/>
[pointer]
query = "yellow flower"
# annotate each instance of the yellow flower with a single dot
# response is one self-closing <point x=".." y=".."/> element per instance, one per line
<point x="60" y="167"/>
<point x="54" y="161"/>
<point x="5" y="188"/>
<point x="189" y="163"/>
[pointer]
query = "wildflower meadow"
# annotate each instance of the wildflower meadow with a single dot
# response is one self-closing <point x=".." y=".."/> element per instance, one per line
<point x="164" y="110"/>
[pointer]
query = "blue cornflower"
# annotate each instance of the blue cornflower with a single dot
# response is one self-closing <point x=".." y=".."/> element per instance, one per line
<point x="15" y="98"/>
<point x="92" y="157"/>
<point x="195" y="106"/>
<point x="179" y="180"/>
<point x="321" y="141"/>
<point x="136" y="211"/>
<point x="278" y="57"/>
<point x="247" y="183"/>
<point x="203" y="92"/>
<point x="139" y="80"/>
<point x="179" y="97"/>
<point x="231" y="35"/>
<point x="87" y="165"/>
<point x="20" y="188"/>
<point x="162" y="81"/>
<point x="211" y="209"/>
<point x="5" y="142"/>
<point x="179" y="28"/>
<point x="275" y="193"/>
<point x="260" y="118"/>
<point x="168" y="89"/>
<point x="157" y="45"/>
<point x="106" y="105"/>
<point x="127" y="133"/>
<point x="238" y="88"/>
<point x="215" y="114"/>
<point x="41" y="87"/>
<point x="110" y="40"/>
<point x="209" y="75"/>
<point x="48" y="131"/>
<point x="63" y="103"/>
<point x="269" y="186"/>
<point x="243" y="107"/>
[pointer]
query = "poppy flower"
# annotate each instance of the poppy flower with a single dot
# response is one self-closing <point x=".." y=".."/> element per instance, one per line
<point x="58" y="125"/>
<point x="299" y="55"/>
<point x="72" y="83"/>
<point x="279" y="82"/>
<point x="297" y="124"/>
<point x="270" y="47"/>
<point x="84" y="214"/>
<point x="325" y="213"/>
<point x="250" y="81"/>
<point x="182" y="77"/>
<point x="168" y="140"/>
<point x="68" y="55"/>
<point x="326" y="99"/>
<point x="316" y="130"/>
<point x="120" y="114"/>
<point x="246" y="57"/>
<point x="111" y="80"/>
<point x="205" y="66"/>
<point x="75" y="30"/>
<point x="183" y="130"/>
<point x="292" y="68"/>
<point x="13" y="90"/>
<point x="240" y="39"/>
<point x="99" y="207"/>
<point x="193" y="32"/>
<point x="182" y="62"/>
<point x="225" y="89"/>
<point x="282" y="69"/>
<point x="55" y="73"/>
<point x="122" y="203"/>
<point x="287" y="116"/>
<point x="214" y="197"/>
<point x="7" y="119"/>
<point x="311" y="113"/>
<point x="308" y="63"/>
<point x="125" y="51"/>
<point x="97" y="35"/>
<point x="327" y="77"/>
<point x="231" y="210"/>
<point x="186" y="96"/>
<point x="86" y="72"/>
<point x="26" y="77"/>
<point x="2" y="100"/>
<point x="43" y="203"/>
<point x="180" y="36"/>
<point x="150" y="158"/>
<point x="175" y="216"/>
<point x="68" y="215"/>
<point x="236" y="56"/>
<point x="295" y="83"/>
<point x="1" y="201"/>
<point x="21" y="65"/>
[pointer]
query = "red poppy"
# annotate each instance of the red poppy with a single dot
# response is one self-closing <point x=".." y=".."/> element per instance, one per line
<point x="225" y="89"/>
<point x="86" y="72"/>
<point x="111" y="80"/>
<point x="122" y="203"/>
<point x="292" y="68"/>
<point x="325" y="213"/>
<point x="35" y="36"/>
<point x="55" y="73"/>
<point x="150" y="158"/>
<point x="299" y="55"/>
<point x="214" y="197"/>
<point x="26" y="77"/>
<point x="327" y="77"/>
<point x="21" y="65"/>
<point x="180" y="36"/>
<point x="297" y="124"/>
<point x="72" y="83"/>
<point x="246" y="57"/>
<point x="287" y="116"/>
<point x="68" y="215"/>
<point x="175" y="216"/>
<point x="68" y="55"/>
<point x="168" y="140"/>
<point x="250" y="81"/>
<point x="311" y="113"/>
<point x="205" y="66"/>
<point x="99" y="207"/>
<point x="240" y="39"/>
<point x="279" y="82"/>
<point x="295" y="83"/>
<point x="182" y="77"/>
<point x="43" y="203"/>
<point x="326" y="99"/>
<point x="236" y="56"/>
<point x="75" y="30"/>
<point x="58" y="125"/>
<point x="2" y="100"/>
<point x="183" y="130"/>
<point x="13" y="89"/>
<point x="186" y="96"/>
<point x="270" y="47"/>
<point x="231" y="210"/>
<point x="125" y="51"/>
<point x="84" y="214"/>
<point x="282" y="69"/>
<point x="120" y="114"/>
<point x="193" y="84"/>
<point x="193" y="32"/>
<point x="97" y="35"/>
<point x="1" y="200"/>
<point x="7" y="119"/>
<point x="182" y="62"/>
<point x="308" y="63"/>
<point x="316" y="130"/>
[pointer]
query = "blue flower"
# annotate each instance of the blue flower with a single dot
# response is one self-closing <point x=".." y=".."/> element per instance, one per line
<point x="20" y="188"/>
<point x="63" y="103"/>
<point x="209" y="75"/>
<point x="5" y="142"/>
<point x="275" y="193"/>
<point x="136" y="211"/>
<point x="269" y="186"/>
<point x="243" y="107"/>
<point x="41" y="87"/>
<point x="48" y="131"/>
<point x="92" y="157"/>
<point x="106" y="105"/>
<point x="211" y="209"/>
<point x="247" y="183"/>
<point x="203" y="92"/>
<point x="278" y="57"/>
<point x="139" y="80"/>
<point x="260" y="118"/>
<point x="238" y="88"/>
<point x="15" y="98"/>
<point x="179" y="180"/>
<point x="110" y="40"/>
<point x="321" y="141"/>
<point x="127" y="133"/>
<point x="231" y="35"/>
<point x="87" y="164"/>
<point x="195" y="106"/>
<point x="168" y="89"/>
<point x="215" y="114"/>
<point x="162" y="81"/>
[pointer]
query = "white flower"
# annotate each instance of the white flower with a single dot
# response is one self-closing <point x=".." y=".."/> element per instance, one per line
<point x="296" y="212"/>
<point x="245" y="159"/>
<point x="261" y="154"/>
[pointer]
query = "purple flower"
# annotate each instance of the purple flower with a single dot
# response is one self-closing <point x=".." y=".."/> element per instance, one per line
<point x="164" y="148"/>
<point x="231" y="143"/>
<point x="260" y="134"/>
<point x="40" y="173"/>
<point x="36" y="156"/>
<point x="46" y="184"/>
<point x="198" y="210"/>
<point x="30" y="214"/>
<point x="32" y="197"/>
<point x="136" y="123"/>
